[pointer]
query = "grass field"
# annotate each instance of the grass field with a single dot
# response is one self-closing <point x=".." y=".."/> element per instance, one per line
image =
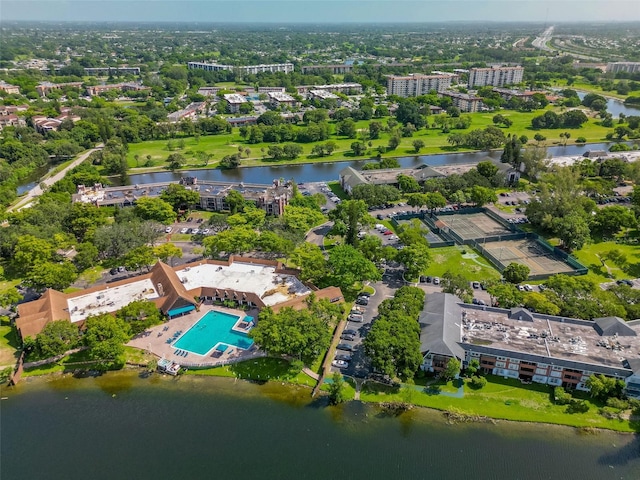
<point x="8" y="343"/>
<point x="587" y="87"/>
<point x="261" y="369"/>
<point x="471" y="265"/>
<point x="435" y="142"/>
<point x="590" y="254"/>
<point x="506" y="399"/>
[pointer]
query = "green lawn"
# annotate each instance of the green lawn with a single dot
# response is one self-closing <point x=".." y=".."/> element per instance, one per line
<point x="337" y="190"/>
<point x="261" y="369"/>
<point x="435" y="142"/>
<point x="587" y="87"/>
<point x="506" y="399"/>
<point x="588" y="255"/>
<point x="9" y="342"/>
<point x="60" y="366"/>
<point x="472" y="266"/>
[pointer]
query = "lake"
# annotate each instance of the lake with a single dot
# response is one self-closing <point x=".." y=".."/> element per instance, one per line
<point x="330" y="171"/>
<point x="120" y="426"/>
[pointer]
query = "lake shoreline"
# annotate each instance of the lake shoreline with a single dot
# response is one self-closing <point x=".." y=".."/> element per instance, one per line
<point x="448" y="415"/>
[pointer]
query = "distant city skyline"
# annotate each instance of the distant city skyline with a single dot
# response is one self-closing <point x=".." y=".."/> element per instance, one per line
<point x="321" y="11"/>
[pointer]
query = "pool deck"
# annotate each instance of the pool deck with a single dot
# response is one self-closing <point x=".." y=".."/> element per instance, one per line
<point x="154" y="340"/>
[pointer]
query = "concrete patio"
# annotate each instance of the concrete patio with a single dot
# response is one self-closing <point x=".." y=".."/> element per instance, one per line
<point x="154" y="340"/>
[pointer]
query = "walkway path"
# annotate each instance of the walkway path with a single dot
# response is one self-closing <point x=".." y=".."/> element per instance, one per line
<point x="37" y="190"/>
<point x="311" y="373"/>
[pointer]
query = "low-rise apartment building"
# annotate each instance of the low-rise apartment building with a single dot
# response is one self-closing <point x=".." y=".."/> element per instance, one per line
<point x="234" y="100"/>
<point x="417" y="84"/>
<point x="106" y="71"/>
<point x="178" y="290"/>
<point x="495" y="76"/>
<point x="281" y="99"/>
<point x="190" y="112"/>
<point x="270" y="198"/>
<point x="8" y="88"/>
<point x="125" y="87"/>
<point x="247" y="69"/>
<point x="44" y="88"/>
<point x="627" y="67"/>
<point x="532" y="347"/>
<point x="464" y="101"/>
<point x="322" y="95"/>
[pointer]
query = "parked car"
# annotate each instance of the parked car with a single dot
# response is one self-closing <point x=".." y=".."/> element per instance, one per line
<point x="340" y="363"/>
<point x="436" y="280"/>
<point x="387" y="232"/>
<point x="184" y="230"/>
<point x="423" y="279"/>
<point x="346" y="357"/>
<point x="113" y="271"/>
<point x="206" y="231"/>
<point x="356" y="318"/>
<point x="345" y="346"/>
<point x="475" y="285"/>
<point x="624" y="281"/>
<point x="349" y="331"/>
<point x="364" y="294"/>
<point x="195" y="231"/>
<point x="168" y="230"/>
<point x="349" y="338"/>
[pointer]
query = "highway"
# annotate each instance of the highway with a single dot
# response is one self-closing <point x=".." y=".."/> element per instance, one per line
<point x="541" y="41"/>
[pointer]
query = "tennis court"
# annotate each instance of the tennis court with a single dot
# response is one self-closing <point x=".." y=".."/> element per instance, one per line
<point x="529" y="253"/>
<point x="473" y="225"/>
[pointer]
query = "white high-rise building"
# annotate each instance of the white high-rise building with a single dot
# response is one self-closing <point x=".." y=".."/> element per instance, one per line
<point x="417" y="84"/>
<point x="495" y="76"/>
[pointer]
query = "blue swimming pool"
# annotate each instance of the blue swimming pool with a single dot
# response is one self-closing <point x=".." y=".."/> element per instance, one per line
<point x="213" y="329"/>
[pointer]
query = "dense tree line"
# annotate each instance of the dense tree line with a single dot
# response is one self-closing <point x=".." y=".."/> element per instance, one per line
<point x="393" y="343"/>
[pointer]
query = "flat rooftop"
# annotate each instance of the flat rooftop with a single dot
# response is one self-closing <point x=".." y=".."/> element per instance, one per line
<point x="110" y="299"/>
<point x="574" y="340"/>
<point x="271" y="287"/>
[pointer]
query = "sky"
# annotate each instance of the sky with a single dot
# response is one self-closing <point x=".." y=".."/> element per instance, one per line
<point x="321" y="11"/>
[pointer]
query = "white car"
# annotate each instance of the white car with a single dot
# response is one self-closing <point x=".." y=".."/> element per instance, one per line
<point x="168" y="230"/>
<point x="184" y="230"/>
<point x="340" y="363"/>
<point x="206" y="231"/>
<point x="195" y="231"/>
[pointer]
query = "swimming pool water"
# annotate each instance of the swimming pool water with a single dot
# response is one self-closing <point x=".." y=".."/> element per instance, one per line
<point x="210" y="330"/>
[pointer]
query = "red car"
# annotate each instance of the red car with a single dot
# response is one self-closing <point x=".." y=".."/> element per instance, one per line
<point x="388" y="232"/>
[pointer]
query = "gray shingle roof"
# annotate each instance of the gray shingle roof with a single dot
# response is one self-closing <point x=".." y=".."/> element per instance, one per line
<point x="610" y="326"/>
<point x="440" y="325"/>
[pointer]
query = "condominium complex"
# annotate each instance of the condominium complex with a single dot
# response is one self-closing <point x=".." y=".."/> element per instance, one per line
<point x="8" y="88"/>
<point x="417" y="84"/>
<point x="464" y="101"/>
<point x="112" y="71"/>
<point x="628" y="67"/>
<point x="248" y="69"/>
<point x="281" y="99"/>
<point x="212" y="195"/>
<point x="234" y="100"/>
<point x="495" y="76"/>
<point x="532" y="347"/>
<point x="44" y="88"/>
<point x="250" y="282"/>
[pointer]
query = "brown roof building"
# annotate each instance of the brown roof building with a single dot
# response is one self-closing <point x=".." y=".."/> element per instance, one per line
<point x="177" y="290"/>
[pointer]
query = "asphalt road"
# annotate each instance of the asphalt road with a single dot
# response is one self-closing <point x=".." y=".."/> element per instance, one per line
<point x="37" y="190"/>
